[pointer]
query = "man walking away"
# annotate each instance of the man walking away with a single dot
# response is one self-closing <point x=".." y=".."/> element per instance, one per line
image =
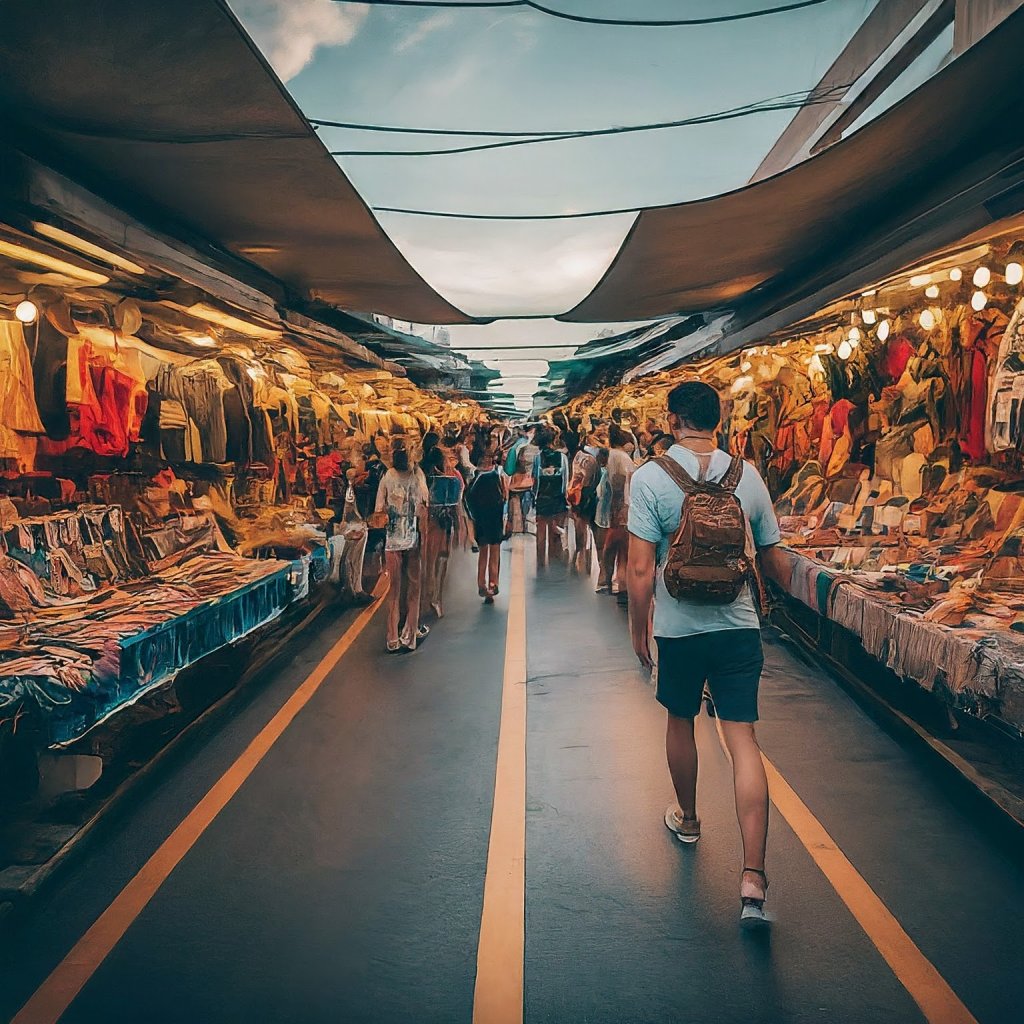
<point x="691" y="522"/>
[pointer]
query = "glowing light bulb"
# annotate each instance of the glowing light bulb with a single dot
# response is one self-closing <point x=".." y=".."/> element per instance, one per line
<point x="956" y="274"/>
<point x="816" y="366"/>
<point x="979" y="300"/>
<point x="883" y="330"/>
<point x="982" y="276"/>
<point x="845" y="350"/>
<point x="855" y="336"/>
<point x="26" y="312"/>
<point x="869" y="316"/>
<point x="740" y="383"/>
<point x="868" y="294"/>
<point x="927" y="319"/>
<point x="1014" y="273"/>
<point x="204" y="341"/>
<point x="920" y="280"/>
<point x="745" y="367"/>
<point x="932" y="291"/>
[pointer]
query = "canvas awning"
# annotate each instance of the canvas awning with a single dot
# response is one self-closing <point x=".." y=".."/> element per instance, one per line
<point x="169" y="111"/>
<point x="931" y="163"/>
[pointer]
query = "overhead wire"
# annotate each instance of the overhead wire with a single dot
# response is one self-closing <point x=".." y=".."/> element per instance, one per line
<point x="790" y="101"/>
<point x="587" y="19"/>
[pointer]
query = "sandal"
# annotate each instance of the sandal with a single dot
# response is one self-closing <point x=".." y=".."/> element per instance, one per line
<point x="752" y="897"/>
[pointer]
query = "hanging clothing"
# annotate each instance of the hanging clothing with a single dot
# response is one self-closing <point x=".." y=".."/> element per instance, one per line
<point x="19" y="415"/>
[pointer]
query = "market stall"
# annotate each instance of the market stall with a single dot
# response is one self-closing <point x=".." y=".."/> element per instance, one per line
<point x="890" y="429"/>
<point x="171" y="479"/>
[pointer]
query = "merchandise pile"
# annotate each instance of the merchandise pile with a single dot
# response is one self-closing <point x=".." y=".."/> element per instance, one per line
<point x="164" y="494"/>
<point x="890" y="431"/>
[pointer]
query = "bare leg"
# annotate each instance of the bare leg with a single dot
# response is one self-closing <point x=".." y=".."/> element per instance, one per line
<point x="751" y="785"/>
<point x="481" y="567"/>
<point x="622" y="562"/>
<point x="441" y="574"/>
<point x="494" y="554"/>
<point x="555" y="524"/>
<point x="394" y="564"/>
<point x="543" y="524"/>
<point x="604" y="575"/>
<point x="429" y="543"/>
<point x="681" y="748"/>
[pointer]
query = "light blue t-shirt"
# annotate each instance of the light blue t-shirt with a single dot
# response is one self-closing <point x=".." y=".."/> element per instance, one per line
<point x="656" y="504"/>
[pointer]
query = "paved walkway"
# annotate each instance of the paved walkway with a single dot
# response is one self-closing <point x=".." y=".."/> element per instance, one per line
<point x="329" y="855"/>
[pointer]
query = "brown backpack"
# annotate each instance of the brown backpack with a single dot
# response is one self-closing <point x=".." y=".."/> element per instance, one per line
<point x="710" y="559"/>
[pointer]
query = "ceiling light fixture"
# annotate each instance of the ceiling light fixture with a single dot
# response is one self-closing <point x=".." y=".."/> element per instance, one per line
<point x="979" y="300"/>
<point x="982" y="276"/>
<point x="27" y="312"/>
<point x="869" y="316"/>
<point x="86" y="248"/>
<point x="1014" y="273"/>
<point x="23" y="254"/>
<point x="883" y="330"/>
<point x="229" y="322"/>
<point x="956" y="274"/>
<point x="932" y="291"/>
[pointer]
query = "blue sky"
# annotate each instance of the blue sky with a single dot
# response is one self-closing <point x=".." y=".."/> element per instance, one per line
<point x="521" y="70"/>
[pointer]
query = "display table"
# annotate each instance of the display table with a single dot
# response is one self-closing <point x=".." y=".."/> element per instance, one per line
<point x="976" y="669"/>
<point x="80" y="661"/>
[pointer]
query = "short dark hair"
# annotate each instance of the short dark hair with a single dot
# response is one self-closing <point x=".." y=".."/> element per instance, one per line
<point x="617" y="437"/>
<point x="544" y="436"/>
<point x="697" y="404"/>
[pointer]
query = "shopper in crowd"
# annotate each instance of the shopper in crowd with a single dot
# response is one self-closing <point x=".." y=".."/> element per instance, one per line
<point x="583" y="503"/>
<point x="403" y="497"/>
<point x="622" y="420"/>
<point x="615" y="557"/>
<point x="699" y="642"/>
<point x="551" y="484"/>
<point x="366" y="485"/>
<point x="457" y="443"/>
<point x="486" y="498"/>
<point x="445" y="489"/>
<point x="602" y="516"/>
<point x="522" y="458"/>
<point x="354" y="531"/>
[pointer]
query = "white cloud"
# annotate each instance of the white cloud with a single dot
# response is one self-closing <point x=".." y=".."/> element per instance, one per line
<point x="289" y="32"/>
<point x="425" y="28"/>
<point x="508" y="268"/>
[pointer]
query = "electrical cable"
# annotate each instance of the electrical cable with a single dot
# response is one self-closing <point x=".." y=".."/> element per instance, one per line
<point x="763" y="106"/>
<point x="591" y="20"/>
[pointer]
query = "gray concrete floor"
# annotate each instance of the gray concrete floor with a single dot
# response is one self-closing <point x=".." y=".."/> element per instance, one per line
<point x="344" y="881"/>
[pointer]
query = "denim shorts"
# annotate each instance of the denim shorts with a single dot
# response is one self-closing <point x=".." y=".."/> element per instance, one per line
<point x="728" y="660"/>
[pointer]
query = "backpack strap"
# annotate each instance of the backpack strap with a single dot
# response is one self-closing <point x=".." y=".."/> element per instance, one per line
<point x="732" y="478"/>
<point x="688" y="485"/>
<point x="679" y="476"/>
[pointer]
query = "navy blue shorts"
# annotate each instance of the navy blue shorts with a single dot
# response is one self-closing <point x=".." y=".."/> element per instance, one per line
<point x="728" y="660"/>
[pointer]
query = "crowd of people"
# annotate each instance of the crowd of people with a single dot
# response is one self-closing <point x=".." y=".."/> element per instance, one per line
<point x="416" y="499"/>
<point x="623" y="496"/>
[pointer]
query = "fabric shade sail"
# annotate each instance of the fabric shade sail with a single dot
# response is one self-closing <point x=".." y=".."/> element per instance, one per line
<point x="169" y="111"/>
<point x="939" y="156"/>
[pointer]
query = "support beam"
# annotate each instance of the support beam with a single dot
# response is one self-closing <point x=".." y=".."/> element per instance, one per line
<point x="882" y="27"/>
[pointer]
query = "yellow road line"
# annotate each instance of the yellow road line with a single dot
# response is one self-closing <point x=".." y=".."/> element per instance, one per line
<point x="60" y="989"/>
<point x="937" y="1001"/>
<point x="498" y="995"/>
